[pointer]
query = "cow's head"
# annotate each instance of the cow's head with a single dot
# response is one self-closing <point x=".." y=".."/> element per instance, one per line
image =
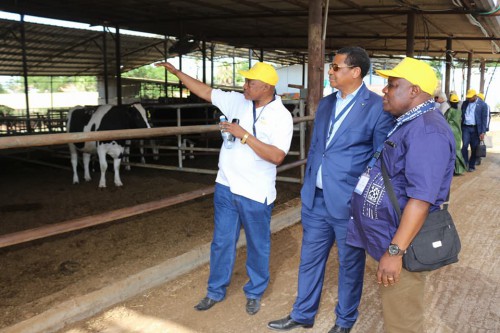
<point x="138" y="118"/>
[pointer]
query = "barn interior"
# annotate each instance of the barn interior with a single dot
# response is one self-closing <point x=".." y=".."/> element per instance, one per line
<point x="306" y="33"/>
<point x="284" y="32"/>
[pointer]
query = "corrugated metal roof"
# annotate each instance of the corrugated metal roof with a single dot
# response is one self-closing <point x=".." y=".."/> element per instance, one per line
<point x="272" y="26"/>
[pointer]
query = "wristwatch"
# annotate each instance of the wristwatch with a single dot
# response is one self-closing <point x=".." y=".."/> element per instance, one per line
<point x="394" y="250"/>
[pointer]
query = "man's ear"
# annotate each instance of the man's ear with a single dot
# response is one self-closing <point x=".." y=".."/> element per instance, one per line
<point x="415" y="90"/>
<point x="356" y="72"/>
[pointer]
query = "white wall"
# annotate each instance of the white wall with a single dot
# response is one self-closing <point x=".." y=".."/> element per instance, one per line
<point x="47" y="100"/>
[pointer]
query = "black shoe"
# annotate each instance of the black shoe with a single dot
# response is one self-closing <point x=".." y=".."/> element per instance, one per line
<point x="205" y="304"/>
<point x="338" y="329"/>
<point x="253" y="306"/>
<point x="471" y="170"/>
<point x="286" y="324"/>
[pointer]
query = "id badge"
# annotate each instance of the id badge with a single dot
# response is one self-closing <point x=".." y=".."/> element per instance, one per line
<point x="363" y="180"/>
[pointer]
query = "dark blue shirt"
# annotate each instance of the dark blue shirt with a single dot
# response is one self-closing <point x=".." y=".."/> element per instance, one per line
<point x="420" y="159"/>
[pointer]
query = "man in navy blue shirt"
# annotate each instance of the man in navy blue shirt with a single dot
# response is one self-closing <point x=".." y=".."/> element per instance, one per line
<point x="419" y="154"/>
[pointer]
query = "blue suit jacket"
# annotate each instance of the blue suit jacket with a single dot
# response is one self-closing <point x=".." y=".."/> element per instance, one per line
<point x="480" y="114"/>
<point x="344" y="160"/>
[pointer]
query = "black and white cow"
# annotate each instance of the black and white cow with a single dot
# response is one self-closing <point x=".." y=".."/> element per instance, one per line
<point x="103" y="118"/>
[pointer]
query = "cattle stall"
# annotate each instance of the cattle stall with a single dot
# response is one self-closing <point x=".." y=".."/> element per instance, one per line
<point x="29" y="141"/>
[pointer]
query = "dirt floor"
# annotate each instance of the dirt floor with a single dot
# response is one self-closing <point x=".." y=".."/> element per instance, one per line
<point x="34" y="277"/>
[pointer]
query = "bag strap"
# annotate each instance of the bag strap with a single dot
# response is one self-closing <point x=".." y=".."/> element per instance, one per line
<point x="392" y="195"/>
<point x="389" y="188"/>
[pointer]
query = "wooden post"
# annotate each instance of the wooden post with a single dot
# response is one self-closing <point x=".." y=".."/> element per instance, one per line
<point x="118" y="61"/>
<point x="315" y="65"/>
<point x="105" y="64"/>
<point x="25" y="75"/>
<point x="204" y="60"/>
<point x="482" y="68"/>
<point x="410" y="35"/>
<point x="469" y="69"/>
<point x="449" y="59"/>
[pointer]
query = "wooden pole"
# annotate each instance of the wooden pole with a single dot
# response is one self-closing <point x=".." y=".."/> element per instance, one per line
<point x="482" y="69"/>
<point x="25" y="74"/>
<point x="62" y="138"/>
<point x="469" y="70"/>
<point x="118" y="61"/>
<point x="85" y="222"/>
<point x="449" y="61"/>
<point x="315" y="65"/>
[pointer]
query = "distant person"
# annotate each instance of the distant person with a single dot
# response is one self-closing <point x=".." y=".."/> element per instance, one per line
<point x="454" y="118"/>
<point x="441" y="102"/>
<point x="482" y="97"/>
<point x="474" y="123"/>
<point x="453" y="92"/>
<point x="245" y="186"/>
<point x="419" y="155"/>
<point x="350" y="124"/>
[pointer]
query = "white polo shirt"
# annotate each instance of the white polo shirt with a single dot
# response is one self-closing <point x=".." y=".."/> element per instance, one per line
<point x="240" y="167"/>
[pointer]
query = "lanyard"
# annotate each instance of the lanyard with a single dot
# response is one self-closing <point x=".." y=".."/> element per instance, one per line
<point x="344" y="110"/>
<point x="255" y="112"/>
<point x="410" y="115"/>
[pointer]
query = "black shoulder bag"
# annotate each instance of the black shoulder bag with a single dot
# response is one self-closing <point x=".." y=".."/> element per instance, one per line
<point x="437" y="243"/>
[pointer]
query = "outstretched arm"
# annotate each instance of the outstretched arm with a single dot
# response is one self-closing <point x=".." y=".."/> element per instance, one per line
<point x="197" y="87"/>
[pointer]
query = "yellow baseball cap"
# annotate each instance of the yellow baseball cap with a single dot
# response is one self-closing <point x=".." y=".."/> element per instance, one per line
<point x="415" y="71"/>
<point x="454" y="98"/>
<point x="471" y="93"/>
<point x="262" y="72"/>
<point x="481" y="95"/>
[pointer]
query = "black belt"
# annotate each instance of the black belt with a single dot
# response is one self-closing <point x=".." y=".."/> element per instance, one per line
<point x="469" y="125"/>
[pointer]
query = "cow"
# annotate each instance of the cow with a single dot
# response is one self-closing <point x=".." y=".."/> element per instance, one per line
<point x="103" y="118"/>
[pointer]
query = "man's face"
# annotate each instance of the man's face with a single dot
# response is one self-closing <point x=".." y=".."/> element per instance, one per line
<point x="343" y="75"/>
<point x="397" y="96"/>
<point x="254" y="89"/>
<point x="472" y="99"/>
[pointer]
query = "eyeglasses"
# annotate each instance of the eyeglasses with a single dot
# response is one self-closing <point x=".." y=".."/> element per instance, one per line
<point x="336" y="67"/>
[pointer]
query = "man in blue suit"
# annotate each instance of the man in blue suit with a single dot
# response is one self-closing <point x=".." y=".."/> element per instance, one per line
<point x="349" y="126"/>
<point x="474" y="123"/>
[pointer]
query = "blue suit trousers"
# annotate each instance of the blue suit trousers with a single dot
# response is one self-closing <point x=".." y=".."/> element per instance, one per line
<point x="469" y="137"/>
<point x="320" y="233"/>
<point x="231" y="212"/>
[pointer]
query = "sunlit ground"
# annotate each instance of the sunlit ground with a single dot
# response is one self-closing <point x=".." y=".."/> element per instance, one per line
<point x="125" y="320"/>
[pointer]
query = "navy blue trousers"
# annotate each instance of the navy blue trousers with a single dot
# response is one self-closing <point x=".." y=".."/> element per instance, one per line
<point x="469" y="137"/>
<point x="320" y="233"/>
<point x="231" y="212"/>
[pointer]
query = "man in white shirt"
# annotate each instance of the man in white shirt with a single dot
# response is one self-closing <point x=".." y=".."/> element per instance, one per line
<point x="245" y="185"/>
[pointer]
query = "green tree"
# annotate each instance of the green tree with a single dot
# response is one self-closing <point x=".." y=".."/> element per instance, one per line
<point x="150" y="72"/>
<point x="224" y="73"/>
<point x="47" y="84"/>
<point x="436" y="64"/>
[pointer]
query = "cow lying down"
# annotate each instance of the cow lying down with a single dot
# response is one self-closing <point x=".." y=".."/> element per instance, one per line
<point x="103" y="118"/>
